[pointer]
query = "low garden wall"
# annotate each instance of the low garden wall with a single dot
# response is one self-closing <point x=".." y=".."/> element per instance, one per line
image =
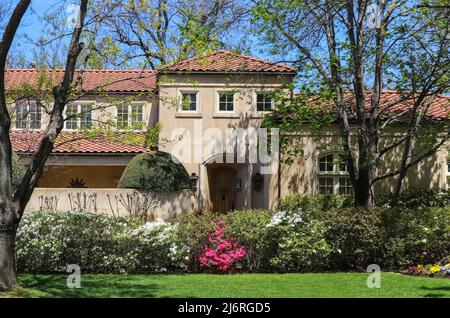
<point x="113" y="202"/>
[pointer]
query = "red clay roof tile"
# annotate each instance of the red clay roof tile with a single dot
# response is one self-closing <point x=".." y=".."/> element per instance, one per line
<point x="227" y="61"/>
<point x="26" y="141"/>
<point x="92" y="80"/>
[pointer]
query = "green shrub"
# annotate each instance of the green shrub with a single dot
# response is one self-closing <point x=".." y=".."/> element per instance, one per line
<point x="356" y="237"/>
<point x="193" y="231"/>
<point x="48" y="241"/>
<point x="155" y="171"/>
<point x="249" y="229"/>
<point x="316" y="203"/>
<point x="413" y="198"/>
<point x="298" y="242"/>
<point x="416" y="236"/>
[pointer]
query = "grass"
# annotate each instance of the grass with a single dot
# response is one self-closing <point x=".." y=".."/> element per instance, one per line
<point x="241" y="285"/>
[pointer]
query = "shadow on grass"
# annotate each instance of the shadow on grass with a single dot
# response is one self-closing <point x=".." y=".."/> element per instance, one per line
<point x="436" y="292"/>
<point x="100" y="287"/>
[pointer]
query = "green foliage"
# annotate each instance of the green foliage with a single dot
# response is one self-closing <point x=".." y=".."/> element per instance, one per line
<point x="356" y="237"/>
<point x="156" y="171"/>
<point x="48" y="241"/>
<point x="314" y="203"/>
<point x="298" y="242"/>
<point x="413" y="198"/>
<point x="249" y="229"/>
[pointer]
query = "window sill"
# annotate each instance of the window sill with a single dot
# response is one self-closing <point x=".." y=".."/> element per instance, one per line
<point x="188" y="115"/>
<point x="226" y="115"/>
<point x="259" y="115"/>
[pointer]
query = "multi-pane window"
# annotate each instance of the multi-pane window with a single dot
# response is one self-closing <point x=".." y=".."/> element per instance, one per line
<point x="130" y="116"/>
<point x="189" y="102"/>
<point x="78" y="117"/>
<point x="226" y="102"/>
<point x="333" y="175"/>
<point x="28" y="116"/>
<point x="263" y="102"/>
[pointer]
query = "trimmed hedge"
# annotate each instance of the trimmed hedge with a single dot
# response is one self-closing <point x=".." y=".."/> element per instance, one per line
<point x="155" y="171"/>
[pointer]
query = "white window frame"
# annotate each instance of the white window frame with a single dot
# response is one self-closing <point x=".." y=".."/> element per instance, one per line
<point x="447" y="173"/>
<point x="336" y="173"/>
<point x="130" y="113"/>
<point x="197" y="101"/>
<point x="27" y="119"/>
<point x="78" y="117"/>
<point x="220" y="92"/>
<point x="272" y="104"/>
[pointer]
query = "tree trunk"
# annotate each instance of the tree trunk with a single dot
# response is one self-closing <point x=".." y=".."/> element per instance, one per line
<point x="8" y="277"/>
<point x="363" y="191"/>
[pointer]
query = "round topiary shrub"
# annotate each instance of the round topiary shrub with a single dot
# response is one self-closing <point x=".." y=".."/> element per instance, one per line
<point x="156" y="171"/>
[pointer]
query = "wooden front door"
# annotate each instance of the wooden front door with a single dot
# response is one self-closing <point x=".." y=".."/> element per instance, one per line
<point x="222" y="182"/>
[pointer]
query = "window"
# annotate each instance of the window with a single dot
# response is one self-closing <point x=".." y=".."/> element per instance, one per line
<point x="333" y="175"/>
<point x="28" y="116"/>
<point x="189" y="102"/>
<point x="226" y="102"/>
<point x="448" y="173"/>
<point x="263" y="102"/>
<point x="78" y="117"/>
<point x="129" y="116"/>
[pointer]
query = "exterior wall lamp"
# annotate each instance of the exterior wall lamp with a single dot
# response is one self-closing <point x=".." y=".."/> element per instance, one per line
<point x="193" y="178"/>
<point x="258" y="181"/>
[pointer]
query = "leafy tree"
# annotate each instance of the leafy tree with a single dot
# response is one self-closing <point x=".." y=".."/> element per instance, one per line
<point x="349" y="50"/>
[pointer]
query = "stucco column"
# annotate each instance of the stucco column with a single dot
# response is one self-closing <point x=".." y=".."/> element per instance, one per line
<point x="248" y="186"/>
<point x="202" y="179"/>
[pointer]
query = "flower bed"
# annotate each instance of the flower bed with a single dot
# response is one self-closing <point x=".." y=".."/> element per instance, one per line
<point x="429" y="270"/>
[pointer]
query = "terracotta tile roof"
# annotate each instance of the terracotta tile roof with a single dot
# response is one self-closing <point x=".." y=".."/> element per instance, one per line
<point x="227" y="61"/>
<point x="25" y="141"/>
<point x="393" y="102"/>
<point x="92" y="80"/>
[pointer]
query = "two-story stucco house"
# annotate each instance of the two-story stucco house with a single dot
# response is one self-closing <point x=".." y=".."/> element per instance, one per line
<point x="208" y="108"/>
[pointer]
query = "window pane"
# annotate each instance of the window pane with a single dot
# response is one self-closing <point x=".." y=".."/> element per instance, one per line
<point x="342" y="164"/>
<point x="326" y="163"/>
<point x="189" y="101"/>
<point x="71" y="117"/>
<point x="263" y="102"/>
<point x="21" y="115"/>
<point x="345" y="186"/>
<point x="326" y="185"/>
<point x="122" y="116"/>
<point x="226" y="102"/>
<point x="35" y="116"/>
<point x="136" y="115"/>
<point x="85" y="117"/>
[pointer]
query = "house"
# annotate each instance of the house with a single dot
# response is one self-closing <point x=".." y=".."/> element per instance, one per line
<point x="210" y="110"/>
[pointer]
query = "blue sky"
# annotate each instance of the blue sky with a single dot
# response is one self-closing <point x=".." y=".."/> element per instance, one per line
<point x="32" y="26"/>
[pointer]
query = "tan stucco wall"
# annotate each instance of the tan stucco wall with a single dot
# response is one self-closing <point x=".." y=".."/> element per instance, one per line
<point x="245" y="115"/>
<point x="301" y="176"/>
<point x="94" y="176"/>
<point x="163" y="205"/>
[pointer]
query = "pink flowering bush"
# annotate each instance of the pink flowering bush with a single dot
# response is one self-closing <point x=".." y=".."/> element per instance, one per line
<point x="220" y="254"/>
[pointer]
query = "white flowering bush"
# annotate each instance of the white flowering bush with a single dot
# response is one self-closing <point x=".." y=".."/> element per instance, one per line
<point x="298" y="242"/>
<point x="159" y="247"/>
<point x="48" y="241"/>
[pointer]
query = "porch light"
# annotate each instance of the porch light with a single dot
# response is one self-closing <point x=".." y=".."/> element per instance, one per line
<point x="193" y="178"/>
<point x="258" y="181"/>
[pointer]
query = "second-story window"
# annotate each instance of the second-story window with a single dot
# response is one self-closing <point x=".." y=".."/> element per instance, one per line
<point x="130" y="116"/>
<point x="226" y="102"/>
<point x="28" y="116"/>
<point x="78" y="117"/>
<point x="263" y="102"/>
<point x="189" y="102"/>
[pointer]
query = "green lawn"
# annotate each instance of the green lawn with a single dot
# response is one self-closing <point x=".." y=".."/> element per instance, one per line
<point x="243" y="285"/>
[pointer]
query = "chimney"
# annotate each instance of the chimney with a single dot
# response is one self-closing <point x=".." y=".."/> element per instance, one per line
<point x="33" y="64"/>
